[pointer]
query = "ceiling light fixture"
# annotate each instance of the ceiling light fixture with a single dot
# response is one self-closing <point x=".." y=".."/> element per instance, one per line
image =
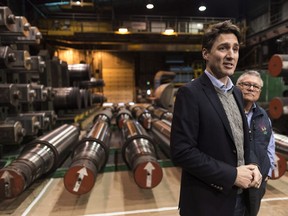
<point x="169" y="31"/>
<point x="202" y="7"/>
<point x="149" y="6"/>
<point x="122" y="30"/>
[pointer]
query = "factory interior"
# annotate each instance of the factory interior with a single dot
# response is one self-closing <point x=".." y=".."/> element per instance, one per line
<point x="87" y="90"/>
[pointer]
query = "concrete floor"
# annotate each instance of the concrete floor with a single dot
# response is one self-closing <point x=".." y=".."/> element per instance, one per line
<point x="115" y="193"/>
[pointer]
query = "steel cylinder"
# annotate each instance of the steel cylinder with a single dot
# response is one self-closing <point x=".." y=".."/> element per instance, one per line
<point x="161" y="130"/>
<point x="98" y="98"/>
<point x="39" y="157"/>
<point x="90" y="156"/>
<point x="79" y="72"/>
<point x="278" y="107"/>
<point x="67" y="98"/>
<point x="84" y="98"/>
<point x="91" y="84"/>
<point x="122" y="115"/>
<point x="139" y="153"/>
<point x="143" y="116"/>
<point x="162" y="114"/>
<point x="278" y="65"/>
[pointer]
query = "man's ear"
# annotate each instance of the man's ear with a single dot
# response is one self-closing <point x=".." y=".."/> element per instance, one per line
<point x="205" y="54"/>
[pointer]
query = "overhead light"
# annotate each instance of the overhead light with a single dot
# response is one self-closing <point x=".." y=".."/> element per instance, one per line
<point x="202" y="7"/>
<point x="149" y="6"/>
<point x="122" y="30"/>
<point x="169" y="31"/>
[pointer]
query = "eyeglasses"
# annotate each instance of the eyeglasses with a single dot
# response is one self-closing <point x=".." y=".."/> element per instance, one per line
<point x="247" y="85"/>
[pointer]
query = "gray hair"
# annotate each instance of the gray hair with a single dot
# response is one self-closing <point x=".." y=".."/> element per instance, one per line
<point x="250" y="73"/>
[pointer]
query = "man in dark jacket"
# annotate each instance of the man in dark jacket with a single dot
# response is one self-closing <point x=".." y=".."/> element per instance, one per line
<point x="262" y="147"/>
<point x="209" y="133"/>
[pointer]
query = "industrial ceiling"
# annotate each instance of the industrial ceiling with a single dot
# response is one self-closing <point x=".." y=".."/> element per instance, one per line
<point x="181" y="14"/>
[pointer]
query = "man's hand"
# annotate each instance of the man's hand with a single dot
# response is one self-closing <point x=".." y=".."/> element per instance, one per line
<point x="245" y="176"/>
<point x="257" y="176"/>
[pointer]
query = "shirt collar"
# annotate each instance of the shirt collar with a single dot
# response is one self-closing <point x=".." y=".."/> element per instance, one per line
<point x="252" y="109"/>
<point x="218" y="84"/>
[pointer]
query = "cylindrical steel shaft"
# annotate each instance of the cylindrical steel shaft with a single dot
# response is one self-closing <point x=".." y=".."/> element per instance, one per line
<point x="161" y="130"/>
<point x="39" y="157"/>
<point x="278" y="106"/>
<point x="90" y="156"/>
<point x="139" y="154"/>
<point x="162" y="114"/>
<point x="122" y="115"/>
<point x="278" y="65"/>
<point x="142" y="115"/>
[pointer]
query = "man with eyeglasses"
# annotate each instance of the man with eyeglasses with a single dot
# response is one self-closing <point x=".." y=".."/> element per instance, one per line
<point x="261" y="135"/>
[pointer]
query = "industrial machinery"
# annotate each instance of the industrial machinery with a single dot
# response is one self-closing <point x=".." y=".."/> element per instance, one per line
<point x="39" y="157"/>
<point x="37" y="92"/>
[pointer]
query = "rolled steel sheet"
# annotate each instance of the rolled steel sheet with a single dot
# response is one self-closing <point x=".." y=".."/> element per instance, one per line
<point x="278" y="107"/>
<point x="164" y="95"/>
<point x="39" y="157"/>
<point x="139" y="153"/>
<point x="90" y="156"/>
<point x="278" y="65"/>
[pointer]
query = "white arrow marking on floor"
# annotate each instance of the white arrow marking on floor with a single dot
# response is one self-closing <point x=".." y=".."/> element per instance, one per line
<point x="82" y="173"/>
<point x="149" y="168"/>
